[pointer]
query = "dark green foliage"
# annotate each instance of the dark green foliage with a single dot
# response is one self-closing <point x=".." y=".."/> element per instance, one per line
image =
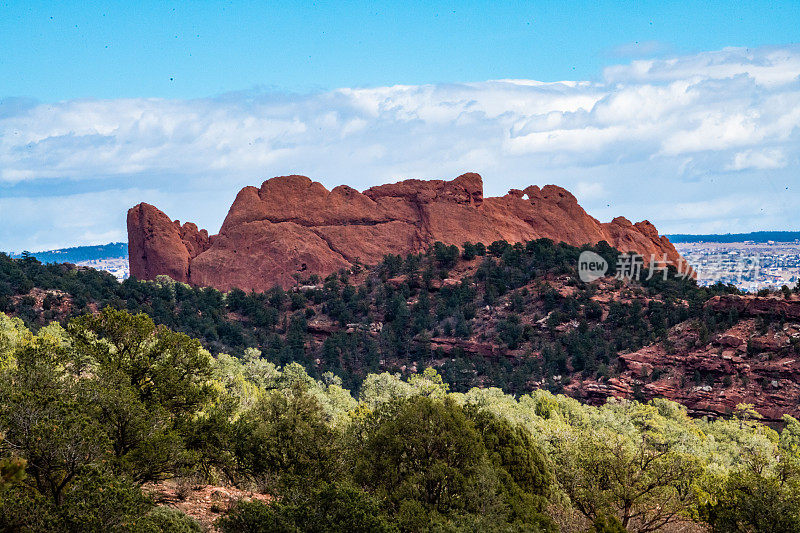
<point x="163" y="368"/>
<point x="412" y="309"/>
<point x="431" y="463"/>
<point x="428" y="452"/>
<point x="607" y="524"/>
<point x="750" y="501"/>
<point x="149" y="382"/>
<point x="469" y="251"/>
<point x="524" y="473"/>
<point x="328" y="508"/>
<point x="43" y="418"/>
<point x="285" y="441"/>
<point x="96" y="415"/>
<point x="99" y="502"/>
<point x="92" y="502"/>
<point x="256" y="517"/>
<point x="510" y="331"/>
<point x="446" y="256"/>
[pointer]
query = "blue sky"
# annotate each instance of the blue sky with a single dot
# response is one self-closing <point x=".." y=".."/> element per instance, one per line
<point x="684" y="113"/>
<point x="61" y="50"/>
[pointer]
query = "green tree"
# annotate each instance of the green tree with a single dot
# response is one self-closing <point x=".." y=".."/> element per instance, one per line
<point x="469" y="251"/>
<point x="285" y="442"/>
<point x="752" y="502"/>
<point x="164" y="368"/>
<point x="607" y="524"/>
<point x="644" y="482"/>
<point x="148" y="384"/>
<point x="45" y="420"/>
<point x="328" y="508"/>
<point x="525" y="474"/>
<point x="426" y="452"/>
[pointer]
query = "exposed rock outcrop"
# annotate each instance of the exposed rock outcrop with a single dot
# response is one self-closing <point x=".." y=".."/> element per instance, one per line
<point x="157" y="245"/>
<point x="291" y="227"/>
<point x="757" y="306"/>
<point x="751" y="362"/>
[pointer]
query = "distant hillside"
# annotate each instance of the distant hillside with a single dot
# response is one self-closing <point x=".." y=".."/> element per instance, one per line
<point x="81" y="253"/>
<point x="478" y="314"/>
<point x="756" y="236"/>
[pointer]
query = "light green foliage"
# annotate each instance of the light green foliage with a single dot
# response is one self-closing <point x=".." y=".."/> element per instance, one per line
<point x="232" y="379"/>
<point x="750" y="501"/>
<point x="163" y="519"/>
<point x="378" y="389"/>
<point x="789" y="443"/>
<point x="13" y="335"/>
<point x="259" y="371"/>
<point x="90" y="413"/>
<point x="646" y="483"/>
<point x="429" y="383"/>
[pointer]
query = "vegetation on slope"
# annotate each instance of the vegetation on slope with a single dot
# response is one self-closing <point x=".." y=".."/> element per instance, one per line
<point x="75" y="254"/>
<point x="93" y="412"/>
<point x="512" y="316"/>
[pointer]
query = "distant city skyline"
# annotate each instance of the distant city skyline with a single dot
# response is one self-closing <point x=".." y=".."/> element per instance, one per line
<point x="687" y="114"/>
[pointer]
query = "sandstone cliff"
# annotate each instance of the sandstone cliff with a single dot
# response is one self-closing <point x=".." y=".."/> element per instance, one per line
<point x="754" y="361"/>
<point x="292" y="225"/>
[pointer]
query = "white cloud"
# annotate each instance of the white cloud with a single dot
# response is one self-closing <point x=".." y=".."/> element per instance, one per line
<point x="585" y="190"/>
<point x="44" y="222"/>
<point x="760" y="160"/>
<point x="765" y="66"/>
<point x="669" y="130"/>
<point x="714" y="131"/>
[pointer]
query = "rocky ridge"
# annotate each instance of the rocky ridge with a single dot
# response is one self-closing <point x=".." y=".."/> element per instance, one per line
<point x="292" y="227"/>
<point x="754" y="361"/>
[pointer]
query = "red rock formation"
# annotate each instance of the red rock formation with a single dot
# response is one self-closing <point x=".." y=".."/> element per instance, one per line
<point x="157" y="245"/>
<point x="757" y="306"/>
<point x="292" y="226"/>
<point x="744" y="364"/>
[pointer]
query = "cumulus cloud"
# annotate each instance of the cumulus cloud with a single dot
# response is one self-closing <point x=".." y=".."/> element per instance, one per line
<point x="651" y="134"/>
<point x="758" y="159"/>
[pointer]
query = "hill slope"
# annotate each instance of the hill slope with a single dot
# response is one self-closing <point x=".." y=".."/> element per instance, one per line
<point x="77" y="254"/>
<point x="516" y="317"/>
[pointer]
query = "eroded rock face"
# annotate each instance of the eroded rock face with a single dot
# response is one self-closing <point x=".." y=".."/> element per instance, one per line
<point x="746" y="363"/>
<point x="291" y="227"/>
<point x="157" y="245"/>
<point x="757" y="306"/>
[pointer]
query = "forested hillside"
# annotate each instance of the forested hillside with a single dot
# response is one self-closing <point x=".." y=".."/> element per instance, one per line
<point x="96" y="416"/>
<point x="515" y="317"/>
<point x="76" y="254"/>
